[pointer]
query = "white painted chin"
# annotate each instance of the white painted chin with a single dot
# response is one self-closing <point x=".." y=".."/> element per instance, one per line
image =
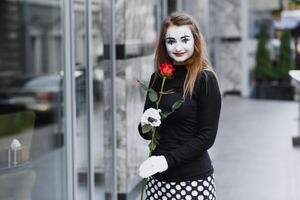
<point x="180" y="58"/>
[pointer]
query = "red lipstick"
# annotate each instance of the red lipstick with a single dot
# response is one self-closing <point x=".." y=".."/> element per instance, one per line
<point x="179" y="54"/>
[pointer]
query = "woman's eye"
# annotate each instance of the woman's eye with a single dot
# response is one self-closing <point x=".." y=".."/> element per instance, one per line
<point x="185" y="40"/>
<point x="170" y="42"/>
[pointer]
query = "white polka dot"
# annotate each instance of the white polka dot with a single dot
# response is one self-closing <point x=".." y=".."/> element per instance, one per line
<point x="194" y="193"/>
<point x="210" y="187"/>
<point x="188" y="197"/>
<point x="159" y="193"/>
<point x="183" y="192"/>
<point x="200" y="187"/>
<point x="151" y="198"/>
<point x="152" y="181"/>
<point x="210" y="196"/>
<point x="159" y="184"/>
<point x="150" y="184"/>
<point x="164" y="198"/>
<point x="172" y="183"/>
<point x="169" y="195"/>
<point x="155" y="196"/>
<point x="200" y="197"/>
<point x="152" y="190"/>
<point x="206" y="193"/>
<point x="182" y="183"/>
<point x="173" y="198"/>
<point x="209" y="178"/>
<point x="172" y="191"/>
<point x="188" y="188"/>
<point x="155" y="187"/>
<point x="194" y="183"/>
<point x="178" y="196"/>
<point x="148" y="193"/>
<point x="178" y="187"/>
<point x="168" y="186"/>
<point x="205" y="183"/>
<point x="212" y="181"/>
<point x="163" y="189"/>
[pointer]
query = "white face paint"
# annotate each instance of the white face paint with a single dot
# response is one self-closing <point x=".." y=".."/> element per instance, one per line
<point x="179" y="43"/>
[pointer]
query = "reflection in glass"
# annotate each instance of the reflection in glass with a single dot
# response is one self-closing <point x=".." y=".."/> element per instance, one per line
<point x="102" y="103"/>
<point x="31" y="100"/>
<point x="82" y="131"/>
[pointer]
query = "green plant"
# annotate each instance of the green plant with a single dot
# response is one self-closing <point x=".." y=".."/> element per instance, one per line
<point x="263" y="66"/>
<point x="285" y="61"/>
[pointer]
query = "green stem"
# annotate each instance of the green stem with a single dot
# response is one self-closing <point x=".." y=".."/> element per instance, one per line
<point x="161" y="90"/>
<point x="143" y="187"/>
<point x="153" y="134"/>
<point x="152" y="138"/>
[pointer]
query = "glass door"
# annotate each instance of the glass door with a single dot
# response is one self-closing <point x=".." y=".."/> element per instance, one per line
<point x="55" y="100"/>
<point x="81" y="131"/>
<point x="32" y="164"/>
<point x="91" y="66"/>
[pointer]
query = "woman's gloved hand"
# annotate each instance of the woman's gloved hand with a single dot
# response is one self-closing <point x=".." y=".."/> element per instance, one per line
<point x="153" y="165"/>
<point x="151" y="116"/>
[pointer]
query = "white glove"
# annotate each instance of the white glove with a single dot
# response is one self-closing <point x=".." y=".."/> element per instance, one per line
<point x="153" y="165"/>
<point x="151" y="116"/>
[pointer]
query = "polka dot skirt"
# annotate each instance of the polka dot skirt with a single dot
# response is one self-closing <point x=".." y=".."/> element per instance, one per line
<point x="203" y="189"/>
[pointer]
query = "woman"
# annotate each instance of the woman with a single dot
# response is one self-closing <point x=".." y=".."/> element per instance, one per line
<point x="180" y="166"/>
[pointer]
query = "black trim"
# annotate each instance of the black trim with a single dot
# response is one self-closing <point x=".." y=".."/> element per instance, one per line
<point x="99" y="179"/>
<point x="125" y="51"/>
<point x="296" y="141"/>
<point x="133" y="194"/>
<point x="82" y="177"/>
<point x="232" y="92"/>
<point x="231" y="39"/>
<point x="120" y="51"/>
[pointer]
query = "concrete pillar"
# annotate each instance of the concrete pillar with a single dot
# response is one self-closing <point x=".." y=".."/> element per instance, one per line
<point x="245" y="82"/>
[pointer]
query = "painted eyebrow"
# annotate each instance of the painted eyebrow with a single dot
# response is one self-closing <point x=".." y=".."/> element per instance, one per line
<point x="183" y="37"/>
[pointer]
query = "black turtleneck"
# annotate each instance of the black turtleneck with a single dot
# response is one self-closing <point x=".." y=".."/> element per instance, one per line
<point x="187" y="134"/>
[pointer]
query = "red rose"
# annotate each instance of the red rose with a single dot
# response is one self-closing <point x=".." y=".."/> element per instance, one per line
<point x="167" y="70"/>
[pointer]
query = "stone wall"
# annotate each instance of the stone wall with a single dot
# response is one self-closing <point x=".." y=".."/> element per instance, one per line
<point x="135" y="29"/>
<point x="225" y="40"/>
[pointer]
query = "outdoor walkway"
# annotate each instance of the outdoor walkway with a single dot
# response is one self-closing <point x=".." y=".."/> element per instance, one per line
<point x="253" y="155"/>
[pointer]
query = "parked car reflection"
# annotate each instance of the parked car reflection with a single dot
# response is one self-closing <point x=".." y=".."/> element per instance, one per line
<point x="44" y="94"/>
<point x="40" y="94"/>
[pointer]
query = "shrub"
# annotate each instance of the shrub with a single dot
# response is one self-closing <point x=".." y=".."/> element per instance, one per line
<point x="263" y="66"/>
<point x="285" y="60"/>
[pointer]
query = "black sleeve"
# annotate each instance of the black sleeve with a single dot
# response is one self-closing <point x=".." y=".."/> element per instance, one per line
<point x="147" y="104"/>
<point x="209" y="102"/>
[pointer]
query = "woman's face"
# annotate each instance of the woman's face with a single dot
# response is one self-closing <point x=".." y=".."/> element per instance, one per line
<point x="179" y="42"/>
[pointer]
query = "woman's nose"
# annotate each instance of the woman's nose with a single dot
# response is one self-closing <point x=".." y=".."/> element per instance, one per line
<point x="178" y="48"/>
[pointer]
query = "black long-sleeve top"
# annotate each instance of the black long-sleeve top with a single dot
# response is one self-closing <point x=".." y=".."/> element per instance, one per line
<point x="187" y="134"/>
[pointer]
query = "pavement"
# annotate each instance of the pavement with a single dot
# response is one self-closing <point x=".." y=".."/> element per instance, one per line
<point x="253" y="154"/>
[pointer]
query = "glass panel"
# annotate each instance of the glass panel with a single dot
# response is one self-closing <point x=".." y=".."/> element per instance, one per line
<point x="81" y="136"/>
<point x="101" y="37"/>
<point x="31" y="127"/>
<point x="139" y="33"/>
<point x="172" y="5"/>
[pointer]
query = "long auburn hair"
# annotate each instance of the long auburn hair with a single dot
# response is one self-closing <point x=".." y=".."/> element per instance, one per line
<point x="197" y="63"/>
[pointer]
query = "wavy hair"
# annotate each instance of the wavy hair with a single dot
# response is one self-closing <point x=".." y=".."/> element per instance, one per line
<point x="197" y="63"/>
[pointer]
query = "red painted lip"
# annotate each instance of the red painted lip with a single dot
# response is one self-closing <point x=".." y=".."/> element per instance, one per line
<point x="179" y="54"/>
